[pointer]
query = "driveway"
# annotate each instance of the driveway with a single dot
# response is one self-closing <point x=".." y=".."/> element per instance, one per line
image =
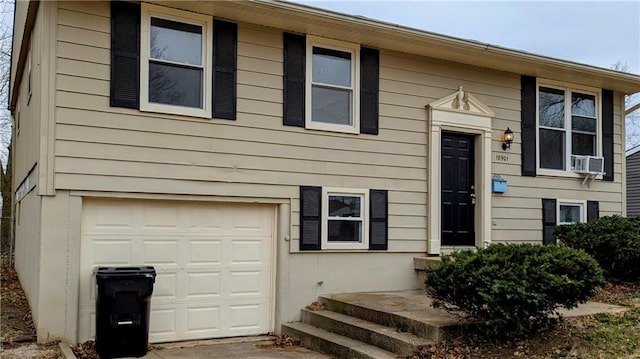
<point x="241" y="348"/>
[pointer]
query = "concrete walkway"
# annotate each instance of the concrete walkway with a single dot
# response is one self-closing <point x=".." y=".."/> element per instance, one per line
<point x="241" y="348"/>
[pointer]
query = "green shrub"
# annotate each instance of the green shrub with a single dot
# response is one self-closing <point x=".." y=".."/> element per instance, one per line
<point x="513" y="289"/>
<point x="613" y="241"/>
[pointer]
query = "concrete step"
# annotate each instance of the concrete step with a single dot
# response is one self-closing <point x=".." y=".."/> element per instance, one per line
<point x="419" y="266"/>
<point x="336" y="345"/>
<point x="397" y="320"/>
<point x="402" y="344"/>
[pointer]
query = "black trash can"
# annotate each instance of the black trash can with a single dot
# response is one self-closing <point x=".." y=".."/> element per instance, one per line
<point x="122" y="310"/>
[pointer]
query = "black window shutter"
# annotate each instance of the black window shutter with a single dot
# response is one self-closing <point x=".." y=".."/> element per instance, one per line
<point x="369" y="84"/>
<point x="593" y="210"/>
<point x="125" y="54"/>
<point x="310" y="217"/>
<point x="378" y="219"/>
<point x="528" y="124"/>
<point x="294" y="80"/>
<point x="607" y="134"/>
<point x="225" y="48"/>
<point x="548" y="221"/>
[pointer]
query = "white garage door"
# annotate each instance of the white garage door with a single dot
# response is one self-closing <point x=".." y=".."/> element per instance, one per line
<point x="213" y="263"/>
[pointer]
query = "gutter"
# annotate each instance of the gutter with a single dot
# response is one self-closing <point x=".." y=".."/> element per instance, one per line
<point x="633" y="108"/>
<point x="532" y="60"/>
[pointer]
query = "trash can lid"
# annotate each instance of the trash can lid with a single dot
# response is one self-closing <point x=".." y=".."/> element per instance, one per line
<point x="144" y="271"/>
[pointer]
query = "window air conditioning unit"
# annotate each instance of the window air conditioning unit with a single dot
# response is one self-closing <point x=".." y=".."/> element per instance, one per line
<point x="587" y="164"/>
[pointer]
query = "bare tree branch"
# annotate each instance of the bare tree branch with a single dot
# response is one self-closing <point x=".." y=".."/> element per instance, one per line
<point x="632" y="121"/>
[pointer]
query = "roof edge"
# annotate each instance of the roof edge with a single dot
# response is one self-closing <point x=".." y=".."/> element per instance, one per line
<point x="632" y="150"/>
<point x="32" y="12"/>
<point x="526" y="57"/>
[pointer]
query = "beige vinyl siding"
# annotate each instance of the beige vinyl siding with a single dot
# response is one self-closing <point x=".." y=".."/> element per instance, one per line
<point x="633" y="185"/>
<point x="28" y="247"/>
<point x="99" y="148"/>
<point x="26" y="152"/>
<point x="27" y="136"/>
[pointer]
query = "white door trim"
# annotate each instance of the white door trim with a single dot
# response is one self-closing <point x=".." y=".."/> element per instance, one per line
<point x="462" y="113"/>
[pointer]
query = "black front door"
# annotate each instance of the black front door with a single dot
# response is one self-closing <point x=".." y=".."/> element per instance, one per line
<point x="457" y="183"/>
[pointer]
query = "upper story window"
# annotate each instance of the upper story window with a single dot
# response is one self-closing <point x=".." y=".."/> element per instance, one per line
<point x="568" y="124"/>
<point x="332" y="85"/>
<point x="175" y="61"/>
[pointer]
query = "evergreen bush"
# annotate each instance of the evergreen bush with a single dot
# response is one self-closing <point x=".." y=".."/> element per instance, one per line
<point x="613" y="241"/>
<point x="513" y="289"/>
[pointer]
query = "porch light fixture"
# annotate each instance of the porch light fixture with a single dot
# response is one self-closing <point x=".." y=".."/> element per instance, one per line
<point x="507" y="138"/>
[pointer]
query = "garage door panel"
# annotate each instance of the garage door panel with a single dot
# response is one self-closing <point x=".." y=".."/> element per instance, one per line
<point x="87" y="296"/>
<point x="244" y="219"/>
<point x="89" y="322"/>
<point x="203" y="251"/>
<point x="112" y="216"/>
<point x="244" y="228"/>
<point x="160" y="217"/>
<point x="165" y="286"/>
<point x="203" y="321"/>
<point x="160" y="252"/>
<point x="213" y="264"/>
<point x="162" y="323"/>
<point x="111" y="251"/>
<point x="202" y="218"/>
<point x="204" y="284"/>
<point x="247" y="283"/>
<point x="245" y="318"/>
<point x="247" y="251"/>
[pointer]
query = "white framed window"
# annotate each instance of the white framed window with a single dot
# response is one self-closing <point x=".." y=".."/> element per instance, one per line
<point x="333" y="75"/>
<point x="568" y="124"/>
<point x="345" y="218"/>
<point x="175" y="61"/>
<point x="571" y="212"/>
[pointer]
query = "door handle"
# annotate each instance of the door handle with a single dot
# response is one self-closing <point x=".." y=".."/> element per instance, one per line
<point x="473" y="198"/>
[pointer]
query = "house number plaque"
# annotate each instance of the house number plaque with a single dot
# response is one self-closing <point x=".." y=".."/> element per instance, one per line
<point x="502" y="158"/>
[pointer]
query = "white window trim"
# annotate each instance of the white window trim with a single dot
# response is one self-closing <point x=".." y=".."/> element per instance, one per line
<point x="356" y="192"/>
<point x="568" y="88"/>
<point x="206" y="22"/>
<point x="571" y="202"/>
<point x="352" y="48"/>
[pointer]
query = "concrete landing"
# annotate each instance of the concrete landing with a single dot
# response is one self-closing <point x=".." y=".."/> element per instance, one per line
<point x="416" y="306"/>
<point x="412" y="304"/>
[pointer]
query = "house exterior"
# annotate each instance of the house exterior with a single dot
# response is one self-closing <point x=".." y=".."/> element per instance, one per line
<point x="260" y="153"/>
<point x="633" y="181"/>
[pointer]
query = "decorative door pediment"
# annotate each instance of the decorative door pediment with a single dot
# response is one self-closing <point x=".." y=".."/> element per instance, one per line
<point x="462" y="101"/>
